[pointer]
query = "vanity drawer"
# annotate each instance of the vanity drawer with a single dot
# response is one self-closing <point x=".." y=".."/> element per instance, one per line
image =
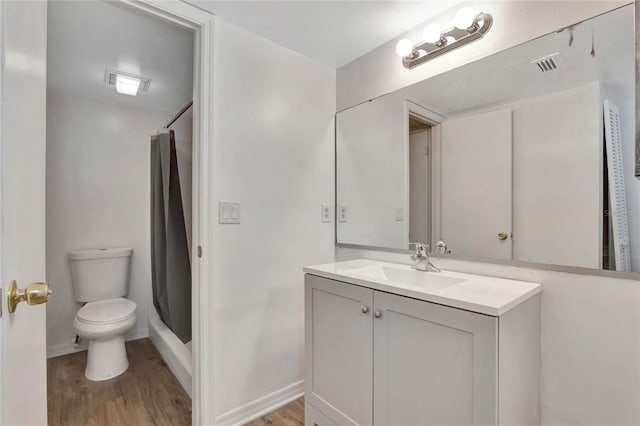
<point x="313" y="417"/>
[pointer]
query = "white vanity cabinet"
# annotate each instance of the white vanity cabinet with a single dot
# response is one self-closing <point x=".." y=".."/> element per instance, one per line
<point x="375" y="358"/>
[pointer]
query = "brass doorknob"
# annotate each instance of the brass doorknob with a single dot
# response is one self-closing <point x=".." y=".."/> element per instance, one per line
<point x="34" y="294"/>
<point x="503" y="236"/>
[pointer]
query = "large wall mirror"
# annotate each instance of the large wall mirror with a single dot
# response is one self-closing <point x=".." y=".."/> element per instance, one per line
<point x="526" y="155"/>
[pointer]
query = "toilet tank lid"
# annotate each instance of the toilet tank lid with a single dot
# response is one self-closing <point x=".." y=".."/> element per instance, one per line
<point x="100" y="253"/>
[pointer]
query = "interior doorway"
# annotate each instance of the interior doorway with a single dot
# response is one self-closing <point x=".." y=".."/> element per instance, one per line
<point x="419" y="180"/>
<point x="111" y="162"/>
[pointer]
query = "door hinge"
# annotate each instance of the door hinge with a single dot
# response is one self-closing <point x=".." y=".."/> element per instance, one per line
<point x="199" y="251"/>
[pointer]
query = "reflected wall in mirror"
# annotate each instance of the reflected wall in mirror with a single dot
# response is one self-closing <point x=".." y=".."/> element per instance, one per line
<point x="525" y="155"/>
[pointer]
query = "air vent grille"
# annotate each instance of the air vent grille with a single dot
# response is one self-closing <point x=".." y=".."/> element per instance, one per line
<point x="548" y="63"/>
<point x="110" y="79"/>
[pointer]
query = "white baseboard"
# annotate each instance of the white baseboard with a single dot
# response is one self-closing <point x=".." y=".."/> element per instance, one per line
<point x="261" y="406"/>
<point x="68" y="348"/>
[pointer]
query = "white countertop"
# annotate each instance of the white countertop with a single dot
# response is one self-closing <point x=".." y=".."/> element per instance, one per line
<point x="477" y="293"/>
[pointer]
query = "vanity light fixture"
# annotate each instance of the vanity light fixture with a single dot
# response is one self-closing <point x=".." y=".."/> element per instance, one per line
<point x="126" y="84"/>
<point x="467" y="27"/>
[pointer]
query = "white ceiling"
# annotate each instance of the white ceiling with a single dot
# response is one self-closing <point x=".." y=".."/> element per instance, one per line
<point x="85" y="38"/>
<point x="331" y="32"/>
<point x="509" y="76"/>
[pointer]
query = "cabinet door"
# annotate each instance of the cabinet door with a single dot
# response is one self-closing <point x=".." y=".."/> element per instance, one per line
<point x="433" y="365"/>
<point x="339" y="350"/>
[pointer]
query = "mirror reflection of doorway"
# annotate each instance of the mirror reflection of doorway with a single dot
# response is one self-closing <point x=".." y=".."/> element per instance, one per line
<point x="419" y="180"/>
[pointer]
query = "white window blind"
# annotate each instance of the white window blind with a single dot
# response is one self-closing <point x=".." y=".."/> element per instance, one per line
<point x="617" y="194"/>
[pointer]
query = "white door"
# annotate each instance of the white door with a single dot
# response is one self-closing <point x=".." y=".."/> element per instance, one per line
<point x="23" y="43"/>
<point x="476" y="173"/>
<point x="339" y="350"/>
<point x="433" y="365"/>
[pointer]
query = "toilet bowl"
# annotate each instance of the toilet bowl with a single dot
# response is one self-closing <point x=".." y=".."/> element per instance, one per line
<point x="100" y="278"/>
<point x="103" y="324"/>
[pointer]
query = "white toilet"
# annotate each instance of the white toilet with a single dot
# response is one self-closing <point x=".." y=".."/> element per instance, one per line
<point x="100" y="277"/>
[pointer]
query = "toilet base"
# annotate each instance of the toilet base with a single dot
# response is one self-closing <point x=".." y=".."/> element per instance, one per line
<point x="106" y="359"/>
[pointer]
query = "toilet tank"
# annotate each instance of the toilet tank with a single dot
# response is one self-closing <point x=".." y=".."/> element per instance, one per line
<point x="98" y="274"/>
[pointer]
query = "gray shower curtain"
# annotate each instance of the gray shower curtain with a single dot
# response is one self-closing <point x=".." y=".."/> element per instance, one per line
<point x="170" y="266"/>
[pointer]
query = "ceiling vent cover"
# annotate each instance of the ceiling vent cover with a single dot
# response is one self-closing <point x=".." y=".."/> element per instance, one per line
<point x="548" y="63"/>
<point x="110" y="79"/>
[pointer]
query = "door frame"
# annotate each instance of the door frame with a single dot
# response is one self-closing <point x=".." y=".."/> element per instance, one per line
<point x="202" y="23"/>
<point x="435" y="145"/>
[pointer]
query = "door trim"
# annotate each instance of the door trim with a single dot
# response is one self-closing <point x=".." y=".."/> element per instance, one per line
<point x="435" y="169"/>
<point x="202" y="23"/>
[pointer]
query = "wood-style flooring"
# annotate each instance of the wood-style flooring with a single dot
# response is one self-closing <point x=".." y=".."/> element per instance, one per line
<point x="291" y="414"/>
<point x="146" y="394"/>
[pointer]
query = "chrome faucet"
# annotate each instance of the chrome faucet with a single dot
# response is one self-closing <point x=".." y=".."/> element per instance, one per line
<point x="421" y="258"/>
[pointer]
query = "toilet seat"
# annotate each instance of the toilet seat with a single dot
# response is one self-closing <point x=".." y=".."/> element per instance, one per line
<point x="107" y="311"/>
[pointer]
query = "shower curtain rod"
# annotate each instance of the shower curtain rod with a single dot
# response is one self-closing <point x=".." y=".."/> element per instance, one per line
<point x="179" y="114"/>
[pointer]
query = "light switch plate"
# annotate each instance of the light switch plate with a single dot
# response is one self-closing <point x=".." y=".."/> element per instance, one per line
<point x="342" y="213"/>
<point x="228" y="212"/>
<point x="325" y="213"/>
<point x="399" y="214"/>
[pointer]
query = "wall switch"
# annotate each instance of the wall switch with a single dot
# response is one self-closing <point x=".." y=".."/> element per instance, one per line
<point x="399" y="214"/>
<point x="235" y="212"/>
<point x="326" y="213"/>
<point x="228" y="212"/>
<point x="342" y="213"/>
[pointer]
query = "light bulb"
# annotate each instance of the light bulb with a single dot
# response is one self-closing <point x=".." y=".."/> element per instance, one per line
<point x="432" y="33"/>
<point x="404" y="47"/>
<point x="464" y="18"/>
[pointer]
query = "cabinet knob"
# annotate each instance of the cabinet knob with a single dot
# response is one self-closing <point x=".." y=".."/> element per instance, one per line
<point x="365" y="309"/>
<point x="377" y="314"/>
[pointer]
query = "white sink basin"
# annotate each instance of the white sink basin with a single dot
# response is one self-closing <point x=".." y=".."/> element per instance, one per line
<point x="408" y="277"/>
<point x="477" y="293"/>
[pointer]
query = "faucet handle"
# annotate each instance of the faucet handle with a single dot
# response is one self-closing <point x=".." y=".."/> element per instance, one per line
<point x="441" y="247"/>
